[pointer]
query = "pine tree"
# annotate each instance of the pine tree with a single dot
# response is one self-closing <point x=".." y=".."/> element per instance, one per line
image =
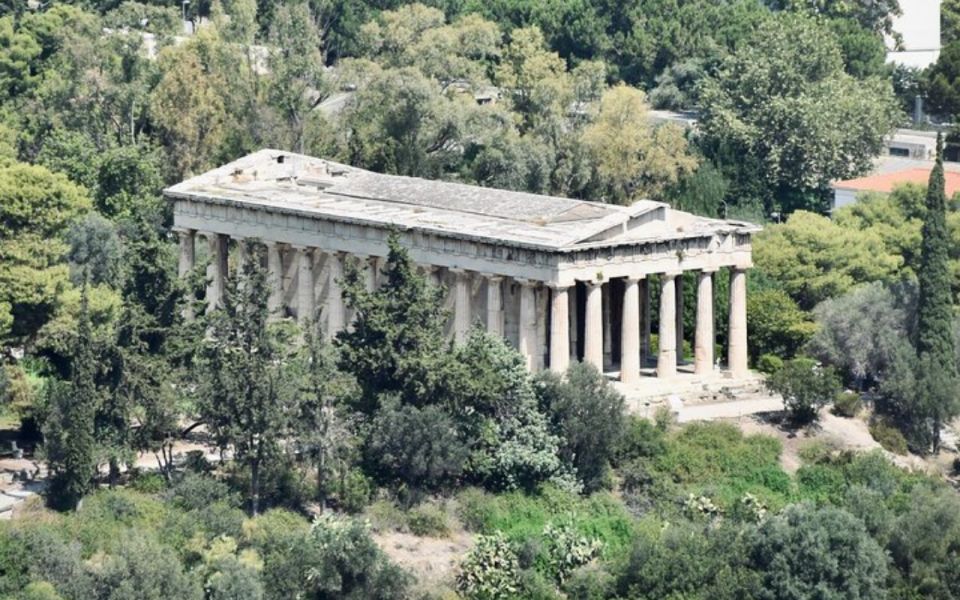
<point x="936" y="400"/>
<point x="69" y="430"/>
<point x="396" y="343"/>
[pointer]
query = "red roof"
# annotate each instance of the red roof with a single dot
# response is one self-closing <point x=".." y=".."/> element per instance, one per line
<point x="887" y="181"/>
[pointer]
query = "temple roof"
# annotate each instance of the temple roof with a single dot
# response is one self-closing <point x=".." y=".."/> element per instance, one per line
<point x="280" y="181"/>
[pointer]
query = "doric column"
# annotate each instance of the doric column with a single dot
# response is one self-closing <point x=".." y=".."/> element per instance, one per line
<point x="187" y="239"/>
<point x="679" y="313"/>
<point x="336" y="313"/>
<point x="644" y="321"/>
<point x="274" y="279"/>
<point x="593" y="325"/>
<point x="495" y="305"/>
<point x="216" y="270"/>
<point x="630" y="333"/>
<point x="703" y="350"/>
<point x="369" y="266"/>
<point x="667" y="359"/>
<point x="559" y="329"/>
<point x="737" y="349"/>
<point x="461" y="305"/>
<point x="242" y="255"/>
<point x="607" y="306"/>
<point x="574" y="320"/>
<point x="528" y="322"/>
<point x="305" y="291"/>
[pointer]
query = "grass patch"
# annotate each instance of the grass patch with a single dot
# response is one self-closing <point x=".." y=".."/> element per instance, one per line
<point x="523" y="517"/>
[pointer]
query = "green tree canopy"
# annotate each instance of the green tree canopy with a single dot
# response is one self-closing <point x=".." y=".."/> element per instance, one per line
<point x="783" y="100"/>
<point x="37" y="208"/>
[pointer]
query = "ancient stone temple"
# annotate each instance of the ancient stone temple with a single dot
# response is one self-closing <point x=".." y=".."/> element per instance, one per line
<point x="560" y="279"/>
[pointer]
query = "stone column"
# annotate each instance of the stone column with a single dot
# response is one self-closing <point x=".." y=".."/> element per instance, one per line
<point x="188" y="254"/>
<point x="274" y="279"/>
<point x="644" y="321"/>
<point x="528" y="322"/>
<point x="461" y="305"/>
<point x="336" y="312"/>
<point x="667" y="360"/>
<point x="737" y="349"/>
<point x="369" y="266"/>
<point x="679" y="329"/>
<point x="593" y="325"/>
<point x="703" y="351"/>
<point x="495" y="305"/>
<point x="574" y="322"/>
<point x="216" y="270"/>
<point x="305" y="291"/>
<point x="559" y="329"/>
<point x="630" y="332"/>
<point x="242" y="255"/>
<point x="607" y="307"/>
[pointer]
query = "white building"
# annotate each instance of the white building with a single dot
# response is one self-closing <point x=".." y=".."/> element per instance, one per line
<point x="920" y="27"/>
<point x="560" y="279"/>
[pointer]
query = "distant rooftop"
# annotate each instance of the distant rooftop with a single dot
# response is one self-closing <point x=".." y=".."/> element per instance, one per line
<point x="886" y="182"/>
<point x="280" y="181"/>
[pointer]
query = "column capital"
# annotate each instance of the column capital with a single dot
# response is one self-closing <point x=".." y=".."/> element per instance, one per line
<point x="709" y="270"/>
<point x="493" y="277"/>
<point x="183" y="230"/>
<point x="559" y="286"/>
<point x="635" y="278"/>
<point x="592" y="282"/>
<point x="671" y="274"/>
<point x="527" y="282"/>
<point x="459" y="271"/>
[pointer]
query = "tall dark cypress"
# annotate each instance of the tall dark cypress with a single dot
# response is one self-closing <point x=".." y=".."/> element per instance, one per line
<point x="935" y="347"/>
<point x="70" y="432"/>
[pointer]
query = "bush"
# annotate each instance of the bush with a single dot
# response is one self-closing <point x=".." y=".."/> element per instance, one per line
<point x="641" y="438"/>
<point x="847" y="404"/>
<point x="192" y="492"/>
<point x="353" y="491"/>
<point x="428" y="520"/>
<point x="148" y="483"/>
<point x="588" y="416"/>
<point x="490" y="570"/>
<point x="769" y="363"/>
<point x="417" y="449"/>
<point x="809" y="552"/>
<point x="805" y="387"/>
<point x="384" y="515"/>
<point x="888" y="436"/>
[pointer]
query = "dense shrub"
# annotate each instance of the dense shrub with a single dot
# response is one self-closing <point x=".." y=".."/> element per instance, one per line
<point x="496" y="410"/>
<point x="847" y="404"/>
<point x="428" y="519"/>
<point x="888" y="436"/>
<point x="417" y="448"/>
<point x="641" y="438"/>
<point x="769" y="363"/>
<point x="805" y="387"/>
<point x="686" y="561"/>
<point x="806" y="552"/>
<point x="588" y="416"/>
<point x="334" y="559"/>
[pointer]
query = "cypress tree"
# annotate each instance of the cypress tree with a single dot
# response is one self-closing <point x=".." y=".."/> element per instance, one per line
<point x="935" y="349"/>
<point x="70" y="428"/>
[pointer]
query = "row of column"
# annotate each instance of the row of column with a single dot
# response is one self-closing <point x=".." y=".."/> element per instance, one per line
<point x="670" y="334"/>
<point x="634" y="323"/>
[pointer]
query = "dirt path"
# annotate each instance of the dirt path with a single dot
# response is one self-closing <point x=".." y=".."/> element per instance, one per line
<point x="432" y="559"/>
